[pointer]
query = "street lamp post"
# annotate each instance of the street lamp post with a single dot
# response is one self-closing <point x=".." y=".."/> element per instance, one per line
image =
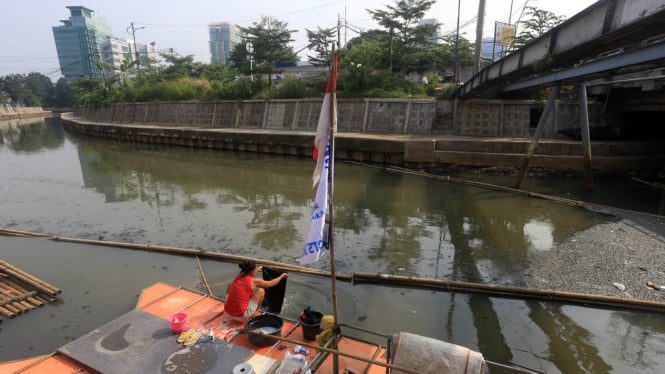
<point x="136" y="51"/>
<point x="250" y="49"/>
<point x="154" y="55"/>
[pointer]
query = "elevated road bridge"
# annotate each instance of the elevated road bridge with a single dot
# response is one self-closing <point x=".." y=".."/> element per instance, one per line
<point x="612" y="43"/>
<point x="607" y="38"/>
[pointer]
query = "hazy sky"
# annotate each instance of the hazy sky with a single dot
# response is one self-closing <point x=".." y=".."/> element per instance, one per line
<point x="28" y="44"/>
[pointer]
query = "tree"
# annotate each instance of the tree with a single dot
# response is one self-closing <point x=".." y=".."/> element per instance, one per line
<point x="358" y="64"/>
<point x="319" y="42"/>
<point x="181" y="67"/>
<point x="92" y="92"/>
<point x="270" y="39"/>
<point x="239" y="58"/>
<point x="446" y="55"/>
<point x="17" y="88"/>
<point x="369" y="35"/>
<point x="538" y="23"/>
<point x="63" y="93"/>
<point x="41" y="86"/>
<point x="409" y="42"/>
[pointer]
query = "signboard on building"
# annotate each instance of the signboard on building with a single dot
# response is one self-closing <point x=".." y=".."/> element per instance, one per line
<point x="504" y="33"/>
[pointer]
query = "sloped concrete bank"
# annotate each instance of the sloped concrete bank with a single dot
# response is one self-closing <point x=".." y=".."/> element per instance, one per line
<point x="401" y="150"/>
<point x="10" y="113"/>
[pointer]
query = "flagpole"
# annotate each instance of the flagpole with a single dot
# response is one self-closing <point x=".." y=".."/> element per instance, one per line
<point x="331" y="190"/>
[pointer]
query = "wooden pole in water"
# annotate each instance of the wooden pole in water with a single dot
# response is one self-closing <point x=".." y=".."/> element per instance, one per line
<point x="509" y="291"/>
<point x="205" y="281"/>
<point x="537" y="134"/>
<point x="586" y="137"/>
<point x="199" y="252"/>
<point x="22" y="233"/>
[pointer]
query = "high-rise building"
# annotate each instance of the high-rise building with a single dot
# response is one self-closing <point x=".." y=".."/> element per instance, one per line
<point x="114" y="51"/>
<point x="78" y="43"/>
<point x="223" y="38"/>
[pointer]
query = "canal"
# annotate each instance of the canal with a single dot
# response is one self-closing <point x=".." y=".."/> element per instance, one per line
<point x="258" y="205"/>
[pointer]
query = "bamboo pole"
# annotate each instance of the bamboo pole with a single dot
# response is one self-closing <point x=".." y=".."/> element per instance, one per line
<point x="23" y="233"/>
<point x="23" y="274"/>
<point x="30" y="282"/>
<point x="14" y="307"/>
<point x="6" y="302"/>
<point x="4" y="299"/>
<point x="5" y="312"/>
<point x="207" y="254"/>
<point x="9" y="286"/>
<point x="509" y="291"/>
<point x="452" y="286"/>
<point x="205" y="281"/>
<point x="35" y="301"/>
<point x="25" y="305"/>
<point x="331" y="195"/>
<point x="495" y="187"/>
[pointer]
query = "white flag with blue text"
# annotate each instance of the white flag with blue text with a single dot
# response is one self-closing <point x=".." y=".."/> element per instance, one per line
<point x="315" y="240"/>
<point x="314" y="243"/>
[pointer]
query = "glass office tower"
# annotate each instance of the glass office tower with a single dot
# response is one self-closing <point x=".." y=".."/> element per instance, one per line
<point x="223" y="38"/>
<point x="78" y="42"/>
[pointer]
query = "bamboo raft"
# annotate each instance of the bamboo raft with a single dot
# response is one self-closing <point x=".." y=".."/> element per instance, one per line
<point x="21" y="292"/>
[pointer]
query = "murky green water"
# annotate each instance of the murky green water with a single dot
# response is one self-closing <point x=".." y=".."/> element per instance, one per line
<point x="258" y="205"/>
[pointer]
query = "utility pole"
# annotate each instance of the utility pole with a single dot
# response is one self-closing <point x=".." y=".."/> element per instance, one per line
<point x="459" y="4"/>
<point x="136" y="51"/>
<point x="479" y="37"/>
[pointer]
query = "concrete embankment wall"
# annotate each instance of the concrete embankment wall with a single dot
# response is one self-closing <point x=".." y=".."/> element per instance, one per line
<point x="482" y="118"/>
<point x="396" y="132"/>
<point x="10" y="112"/>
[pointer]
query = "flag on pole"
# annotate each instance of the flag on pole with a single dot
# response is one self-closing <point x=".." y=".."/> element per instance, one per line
<point x="314" y="243"/>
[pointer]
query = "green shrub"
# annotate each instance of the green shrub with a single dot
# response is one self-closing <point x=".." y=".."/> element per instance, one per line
<point x="291" y="88"/>
<point x="236" y="90"/>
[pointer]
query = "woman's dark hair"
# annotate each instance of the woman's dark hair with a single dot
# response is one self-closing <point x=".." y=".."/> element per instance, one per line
<point x="247" y="266"/>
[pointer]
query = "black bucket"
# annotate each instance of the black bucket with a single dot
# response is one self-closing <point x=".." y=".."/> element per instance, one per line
<point x="312" y="327"/>
<point x="269" y="325"/>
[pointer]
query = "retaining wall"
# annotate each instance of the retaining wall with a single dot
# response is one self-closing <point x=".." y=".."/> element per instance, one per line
<point x="482" y="118"/>
<point x="10" y="112"/>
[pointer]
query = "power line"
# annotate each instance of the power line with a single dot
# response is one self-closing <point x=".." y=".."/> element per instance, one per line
<point x="245" y="20"/>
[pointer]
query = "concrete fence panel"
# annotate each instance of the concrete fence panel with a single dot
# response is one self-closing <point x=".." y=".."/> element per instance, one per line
<point x="351" y="115"/>
<point x="252" y="114"/>
<point x="225" y="114"/>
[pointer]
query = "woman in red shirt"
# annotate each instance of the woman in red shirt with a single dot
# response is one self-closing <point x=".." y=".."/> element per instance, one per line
<point x="245" y="294"/>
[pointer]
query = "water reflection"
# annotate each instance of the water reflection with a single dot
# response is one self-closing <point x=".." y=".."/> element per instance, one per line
<point x="389" y="223"/>
<point x="571" y="346"/>
<point x="258" y="205"/>
<point x="35" y="136"/>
